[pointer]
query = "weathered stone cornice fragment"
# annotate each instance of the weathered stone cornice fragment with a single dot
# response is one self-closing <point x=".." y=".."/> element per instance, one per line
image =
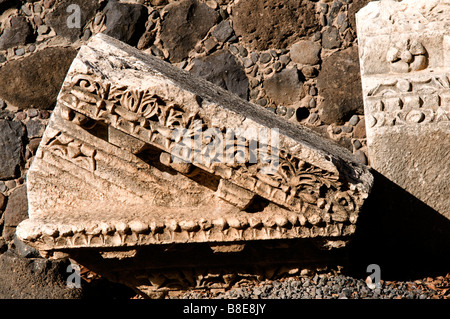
<point x="405" y="72"/>
<point x="139" y="152"/>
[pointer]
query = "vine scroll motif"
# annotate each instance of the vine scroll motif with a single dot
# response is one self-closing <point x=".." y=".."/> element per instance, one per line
<point x="296" y="184"/>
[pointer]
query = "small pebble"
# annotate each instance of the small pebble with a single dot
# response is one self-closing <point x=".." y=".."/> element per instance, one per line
<point x="277" y="66"/>
<point x="316" y="36"/>
<point x="20" y="116"/>
<point x="212" y="4"/>
<point x="20" y="51"/>
<point x="247" y="62"/>
<point x="183" y="64"/>
<point x="290" y="111"/>
<point x="32" y="112"/>
<point x="265" y="57"/>
<point x="254" y="94"/>
<point x="156" y="51"/>
<point x="261" y="101"/>
<point x="343" y="27"/>
<point x="337" y="130"/>
<point x="154" y="15"/>
<point x="357" y="144"/>
<point x="341" y="18"/>
<point x="44" y="114"/>
<point x="268" y="71"/>
<point x="242" y="51"/>
<point x="233" y="39"/>
<point x="254" y="71"/>
<point x="347" y="129"/>
<point x="210" y="44"/>
<point x="361" y="157"/>
<point x="223" y="13"/>
<point x="86" y="35"/>
<point x="353" y="120"/>
<point x="309" y="71"/>
<point x="323" y="20"/>
<point x="10" y="184"/>
<point x="233" y="49"/>
<point x="26" y="10"/>
<point x="285" y="59"/>
<point x="37" y="8"/>
<point x="222" y="31"/>
<point x="43" y="29"/>
<point x="28" y="154"/>
<point x="254" y="83"/>
<point x="37" y="20"/>
<point x="254" y="56"/>
<point x="282" y="110"/>
<point x="97" y="19"/>
<point x="34" y="144"/>
<point x="48" y="3"/>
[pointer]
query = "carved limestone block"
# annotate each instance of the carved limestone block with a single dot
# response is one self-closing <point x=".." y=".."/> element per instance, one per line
<point x="138" y="152"/>
<point x="405" y="69"/>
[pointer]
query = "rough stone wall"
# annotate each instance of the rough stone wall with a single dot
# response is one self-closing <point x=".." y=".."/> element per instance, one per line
<point x="296" y="58"/>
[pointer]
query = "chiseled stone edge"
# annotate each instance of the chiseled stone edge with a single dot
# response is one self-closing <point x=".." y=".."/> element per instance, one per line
<point x="342" y="161"/>
<point x="46" y="232"/>
<point x="322" y="149"/>
<point x="406" y="102"/>
<point x="50" y="235"/>
<point x="298" y="140"/>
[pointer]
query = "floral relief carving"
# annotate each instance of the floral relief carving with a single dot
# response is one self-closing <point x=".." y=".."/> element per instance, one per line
<point x="296" y="184"/>
<point x="69" y="148"/>
<point x="407" y="56"/>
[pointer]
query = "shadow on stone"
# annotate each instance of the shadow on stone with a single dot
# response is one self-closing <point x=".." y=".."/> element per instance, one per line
<point x="39" y="278"/>
<point x="153" y="271"/>
<point x="404" y="236"/>
<point x="34" y="278"/>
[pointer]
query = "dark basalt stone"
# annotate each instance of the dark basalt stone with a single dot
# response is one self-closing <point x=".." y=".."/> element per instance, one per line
<point x="185" y="23"/>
